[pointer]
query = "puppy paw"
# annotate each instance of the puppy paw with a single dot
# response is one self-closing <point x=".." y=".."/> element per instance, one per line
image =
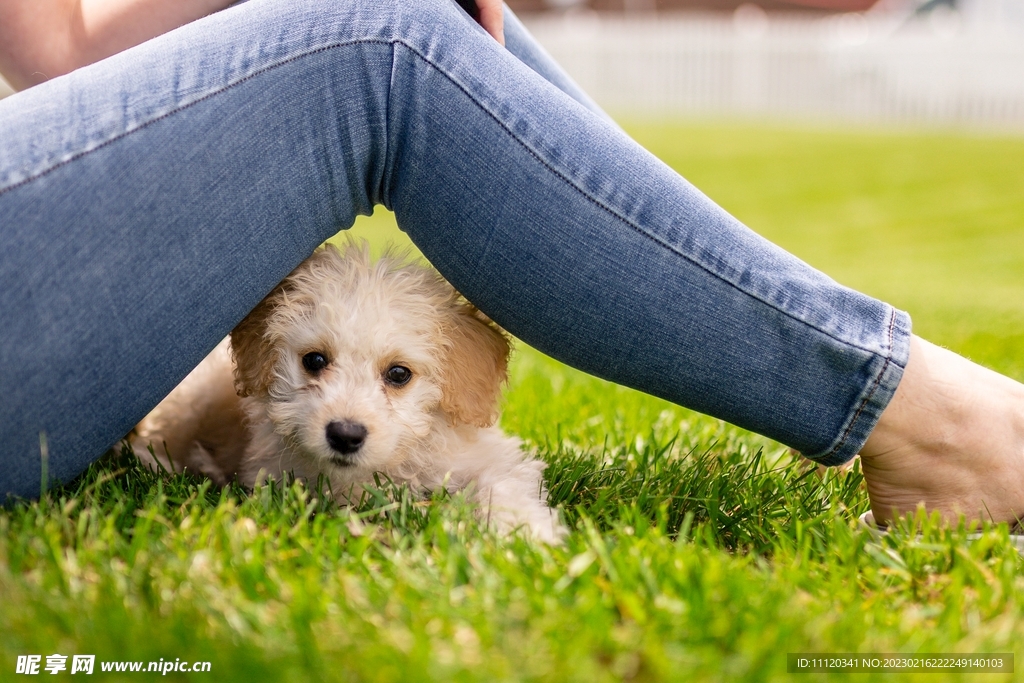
<point x="536" y="521"/>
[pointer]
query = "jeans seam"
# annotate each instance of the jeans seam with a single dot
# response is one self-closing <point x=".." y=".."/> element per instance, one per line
<point x="871" y="392"/>
<point x="387" y="167"/>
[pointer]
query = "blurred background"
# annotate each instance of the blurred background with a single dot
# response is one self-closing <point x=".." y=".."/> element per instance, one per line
<point x="945" y="62"/>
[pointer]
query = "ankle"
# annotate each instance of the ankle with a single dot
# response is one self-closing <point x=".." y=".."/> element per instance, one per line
<point x="923" y="412"/>
<point x="952" y="439"/>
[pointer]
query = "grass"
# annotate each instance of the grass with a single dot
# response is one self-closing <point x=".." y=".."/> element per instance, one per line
<point x="699" y="551"/>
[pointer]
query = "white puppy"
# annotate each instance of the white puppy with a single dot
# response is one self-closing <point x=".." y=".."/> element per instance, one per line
<point x="349" y="368"/>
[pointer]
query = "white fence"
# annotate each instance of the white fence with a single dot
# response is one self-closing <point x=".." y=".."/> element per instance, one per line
<point x="939" y="70"/>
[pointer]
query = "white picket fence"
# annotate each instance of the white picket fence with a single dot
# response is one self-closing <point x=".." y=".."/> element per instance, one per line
<point x="940" y="71"/>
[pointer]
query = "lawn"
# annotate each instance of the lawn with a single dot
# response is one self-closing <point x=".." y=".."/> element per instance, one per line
<point x="699" y="551"/>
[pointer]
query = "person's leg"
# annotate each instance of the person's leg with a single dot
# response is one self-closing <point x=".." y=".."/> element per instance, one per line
<point x="202" y="166"/>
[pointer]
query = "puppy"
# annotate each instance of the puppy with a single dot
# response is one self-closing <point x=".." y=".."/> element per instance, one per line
<point x="349" y="368"/>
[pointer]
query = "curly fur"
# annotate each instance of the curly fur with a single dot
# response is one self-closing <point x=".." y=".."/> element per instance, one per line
<point x="435" y="431"/>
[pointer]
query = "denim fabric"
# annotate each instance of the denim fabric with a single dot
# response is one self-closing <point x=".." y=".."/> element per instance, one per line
<point x="149" y="201"/>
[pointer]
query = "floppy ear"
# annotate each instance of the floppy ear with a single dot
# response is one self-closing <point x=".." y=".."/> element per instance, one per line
<point x="475" y="367"/>
<point x="254" y="354"/>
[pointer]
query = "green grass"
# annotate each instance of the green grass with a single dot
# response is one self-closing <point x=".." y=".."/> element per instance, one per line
<point x="699" y="551"/>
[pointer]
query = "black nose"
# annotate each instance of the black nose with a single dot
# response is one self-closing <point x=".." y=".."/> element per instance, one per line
<point x="346" y="437"/>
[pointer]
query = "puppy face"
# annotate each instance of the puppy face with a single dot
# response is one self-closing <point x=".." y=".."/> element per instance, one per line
<point x="359" y="365"/>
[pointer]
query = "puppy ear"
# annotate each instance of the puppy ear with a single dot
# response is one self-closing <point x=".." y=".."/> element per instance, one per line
<point x="254" y="354"/>
<point x="475" y="368"/>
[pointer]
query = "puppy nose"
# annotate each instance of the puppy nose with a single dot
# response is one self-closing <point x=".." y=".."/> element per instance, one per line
<point x="346" y="437"/>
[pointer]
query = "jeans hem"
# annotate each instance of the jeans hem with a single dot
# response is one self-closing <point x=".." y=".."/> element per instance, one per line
<point x="875" y="397"/>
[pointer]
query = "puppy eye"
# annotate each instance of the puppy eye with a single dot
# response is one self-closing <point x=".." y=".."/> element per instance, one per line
<point x="314" y="361"/>
<point x="398" y="375"/>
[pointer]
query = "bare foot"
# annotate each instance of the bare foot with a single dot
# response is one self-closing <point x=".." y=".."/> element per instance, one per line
<point x="952" y="439"/>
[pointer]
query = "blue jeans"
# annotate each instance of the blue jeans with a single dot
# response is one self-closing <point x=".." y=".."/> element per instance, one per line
<point x="149" y="201"/>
